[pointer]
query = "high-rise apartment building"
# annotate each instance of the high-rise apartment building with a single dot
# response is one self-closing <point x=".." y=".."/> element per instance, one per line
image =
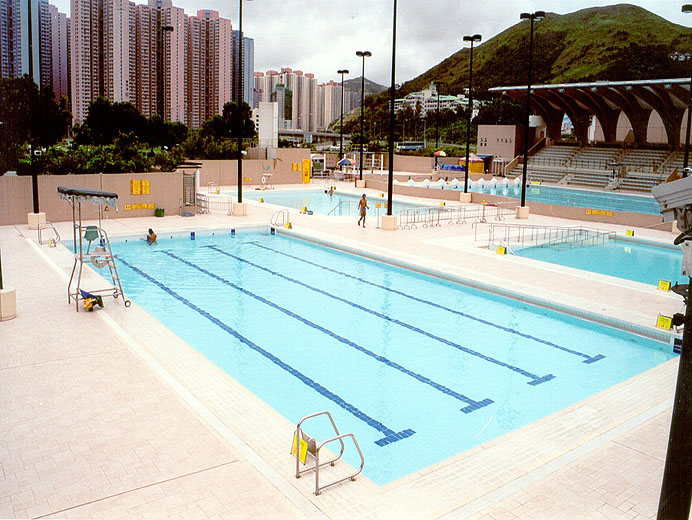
<point x="85" y="58"/>
<point x="248" y="71"/>
<point x="60" y="52"/>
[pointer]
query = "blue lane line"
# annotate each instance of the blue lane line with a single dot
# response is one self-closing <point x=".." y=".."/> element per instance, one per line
<point x="535" y="380"/>
<point x="471" y="404"/>
<point x="588" y="358"/>
<point x="390" y="435"/>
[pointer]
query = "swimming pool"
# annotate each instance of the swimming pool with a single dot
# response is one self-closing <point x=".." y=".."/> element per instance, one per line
<point x="418" y="368"/>
<point x="629" y="259"/>
<point x="570" y="197"/>
<point x="319" y="201"/>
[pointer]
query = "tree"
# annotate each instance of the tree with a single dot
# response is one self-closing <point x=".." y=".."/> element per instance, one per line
<point x="232" y="114"/>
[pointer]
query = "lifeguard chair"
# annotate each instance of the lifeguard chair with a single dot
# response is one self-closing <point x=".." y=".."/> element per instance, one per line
<point x="101" y="255"/>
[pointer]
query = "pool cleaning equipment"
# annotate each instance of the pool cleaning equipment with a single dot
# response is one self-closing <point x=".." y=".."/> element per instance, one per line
<point x="101" y="256"/>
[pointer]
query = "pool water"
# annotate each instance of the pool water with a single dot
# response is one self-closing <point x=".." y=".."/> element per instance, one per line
<point x="319" y="201"/>
<point x="418" y="368"/>
<point x="631" y="260"/>
<point x="572" y="197"/>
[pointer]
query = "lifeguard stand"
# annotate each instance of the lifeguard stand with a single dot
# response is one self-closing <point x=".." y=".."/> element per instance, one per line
<point x="101" y="255"/>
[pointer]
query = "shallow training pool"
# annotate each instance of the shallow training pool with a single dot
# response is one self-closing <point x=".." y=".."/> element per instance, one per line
<point x="418" y="368"/>
<point x="632" y="260"/>
<point x="319" y="201"/>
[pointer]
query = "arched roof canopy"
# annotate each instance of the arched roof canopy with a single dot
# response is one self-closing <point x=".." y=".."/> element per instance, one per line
<point x="606" y="99"/>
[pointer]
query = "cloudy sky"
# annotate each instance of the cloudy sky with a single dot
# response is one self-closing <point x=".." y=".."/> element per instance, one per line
<point x="322" y="36"/>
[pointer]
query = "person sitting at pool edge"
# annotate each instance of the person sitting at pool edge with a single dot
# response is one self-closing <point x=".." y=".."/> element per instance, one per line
<point x="151" y="237"/>
<point x="363" y="207"/>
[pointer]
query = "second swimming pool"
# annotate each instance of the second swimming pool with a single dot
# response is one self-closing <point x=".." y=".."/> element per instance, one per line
<point x="418" y="368"/>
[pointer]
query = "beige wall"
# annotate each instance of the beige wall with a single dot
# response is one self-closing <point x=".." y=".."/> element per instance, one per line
<point x="166" y="189"/>
<point x="499" y="140"/>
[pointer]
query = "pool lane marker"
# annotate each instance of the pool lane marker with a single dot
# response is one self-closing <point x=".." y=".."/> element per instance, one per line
<point x="588" y="358"/>
<point x="535" y="380"/>
<point x="471" y="404"/>
<point x="390" y="435"/>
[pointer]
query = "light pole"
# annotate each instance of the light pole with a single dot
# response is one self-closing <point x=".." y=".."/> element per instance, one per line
<point x="239" y="101"/>
<point x="362" y="54"/>
<point x="390" y="177"/>
<point x="438" y="84"/>
<point x="341" y="127"/>
<point x="537" y="16"/>
<point x="472" y="39"/>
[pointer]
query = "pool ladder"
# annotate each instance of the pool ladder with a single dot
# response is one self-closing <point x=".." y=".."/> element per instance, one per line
<point x="304" y="446"/>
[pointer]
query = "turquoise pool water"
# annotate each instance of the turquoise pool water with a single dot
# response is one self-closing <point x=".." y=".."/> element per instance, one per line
<point x="627" y="259"/>
<point x="572" y="197"/>
<point x="320" y="202"/>
<point x="419" y="369"/>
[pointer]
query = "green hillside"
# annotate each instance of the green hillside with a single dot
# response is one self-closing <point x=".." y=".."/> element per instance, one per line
<point x="614" y="43"/>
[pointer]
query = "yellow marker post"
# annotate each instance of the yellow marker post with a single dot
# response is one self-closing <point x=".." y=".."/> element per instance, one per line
<point x="303" y="454"/>
<point x="664" y="285"/>
<point x="664" y="322"/>
<point x="501" y="250"/>
<point x="630" y="232"/>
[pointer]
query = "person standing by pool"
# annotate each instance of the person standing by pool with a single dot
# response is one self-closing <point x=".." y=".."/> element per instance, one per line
<point x="363" y="207"/>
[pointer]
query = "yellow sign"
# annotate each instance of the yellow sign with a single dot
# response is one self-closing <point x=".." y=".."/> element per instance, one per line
<point x="306" y="171"/>
<point x="501" y="250"/>
<point x="303" y="448"/>
<point x="630" y="232"/>
<point x="151" y="205"/>
<point x="663" y="285"/>
<point x="599" y="212"/>
<point x="664" y="322"/>
<point x="245" y="179"/>
<point x="145" y="186"/>
<point x="135" y="187"/>
<point x="378" y="205"/>
<point x="535" y="183"/>
<point x="128" y="207"/>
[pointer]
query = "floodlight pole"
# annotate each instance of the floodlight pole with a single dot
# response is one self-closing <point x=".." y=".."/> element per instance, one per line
<point x="341" y="127"/>
<point x="538" y="15"/>
<point x="390" y="177"/>
<point x="362" y="54"/>
<point x="474" y="38"/>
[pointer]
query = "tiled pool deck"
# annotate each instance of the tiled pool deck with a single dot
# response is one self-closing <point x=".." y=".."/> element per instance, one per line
<point x="109" y="415"/>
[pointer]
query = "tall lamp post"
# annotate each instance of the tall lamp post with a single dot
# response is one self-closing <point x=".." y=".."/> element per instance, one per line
<point x="362" y="54"/>
<point x="239" y="101"/>
<point x="438" y="84"/>
<point x="472" y="39"/>
<point x="341" y="126"/>
<point x="537" y="16"/>
<point x="681" y="56"/>
<point x="390" y="177"/>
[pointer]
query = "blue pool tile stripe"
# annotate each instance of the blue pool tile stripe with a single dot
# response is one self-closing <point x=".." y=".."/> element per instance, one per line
<point x="588" y="358"/>
<point x="390" y="435"/>
<point x="535" y="378"/>
<point x="471" y="404"/>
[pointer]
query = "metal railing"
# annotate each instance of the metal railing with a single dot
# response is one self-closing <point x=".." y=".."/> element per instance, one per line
<point x="343" y="208"/>
<point x="214" y="204"/>
<point x="558" y="237"/>
<point x="280" y="218"/>
<point x="433" y="216"/>
<point x="46" y="225"/>
<point x="310" y="447"/>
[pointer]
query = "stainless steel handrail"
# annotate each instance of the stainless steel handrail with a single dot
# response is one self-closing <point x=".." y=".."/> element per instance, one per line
<point x="314" y="449"/>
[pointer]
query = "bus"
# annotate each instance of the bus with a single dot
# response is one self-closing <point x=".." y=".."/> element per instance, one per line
<point x="409" y="146"/>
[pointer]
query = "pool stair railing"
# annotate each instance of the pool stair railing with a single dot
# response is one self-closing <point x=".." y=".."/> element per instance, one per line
<point x="305" y="447"/>
<point x="52" y="242"/>
<point x="557" y="237"/>
<point x="339" y="210"/>
<point x="280" y="218"/>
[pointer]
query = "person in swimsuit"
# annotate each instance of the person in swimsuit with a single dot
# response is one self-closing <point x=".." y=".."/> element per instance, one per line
<point x="151" y="237"/>
<point x="363" y="207"/>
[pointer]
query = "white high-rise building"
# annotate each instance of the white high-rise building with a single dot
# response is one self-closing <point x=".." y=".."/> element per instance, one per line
<point x="60" y="52"/>
<point x="85" y="67"/>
